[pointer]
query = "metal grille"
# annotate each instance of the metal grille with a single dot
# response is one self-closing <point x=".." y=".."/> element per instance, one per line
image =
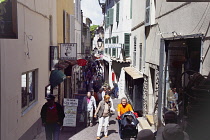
<point x="145" y="96"/>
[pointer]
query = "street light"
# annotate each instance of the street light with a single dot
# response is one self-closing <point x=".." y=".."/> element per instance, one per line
<point x="102" y="2"/>
<point x="95" y="50"/>
<point x="100" y="42"/>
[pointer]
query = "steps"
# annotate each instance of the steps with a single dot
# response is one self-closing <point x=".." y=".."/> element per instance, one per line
<point x="146" y="122"/>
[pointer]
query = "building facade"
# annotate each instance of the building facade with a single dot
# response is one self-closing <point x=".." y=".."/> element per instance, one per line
<point x="25" y="69"/>
<point x="168" y="50"/>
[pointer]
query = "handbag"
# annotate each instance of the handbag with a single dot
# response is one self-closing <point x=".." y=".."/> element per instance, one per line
<point x="82" y="118"/>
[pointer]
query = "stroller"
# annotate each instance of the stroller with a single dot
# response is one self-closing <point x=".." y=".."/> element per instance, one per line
<point x="128" y="126"/>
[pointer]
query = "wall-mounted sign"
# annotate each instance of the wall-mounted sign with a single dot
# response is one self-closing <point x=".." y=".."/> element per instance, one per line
<point x="68" y="51"/>
<point x="70" y="102"/>
<point x="188" y="0"/>
<point x="53" y="57"/>
<point x="8" y="19"/>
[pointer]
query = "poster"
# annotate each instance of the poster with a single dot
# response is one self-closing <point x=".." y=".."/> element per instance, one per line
<point x="68" y="51"/>
<point x="70" y="110"/>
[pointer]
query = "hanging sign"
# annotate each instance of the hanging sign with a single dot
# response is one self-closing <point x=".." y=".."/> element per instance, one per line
<point x="8" y="19"/>
<point x="70" y="110"/>
<point x="68" y="51"/>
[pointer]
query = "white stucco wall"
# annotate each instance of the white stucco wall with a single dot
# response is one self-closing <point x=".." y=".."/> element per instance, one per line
<point x="32" y="20"/>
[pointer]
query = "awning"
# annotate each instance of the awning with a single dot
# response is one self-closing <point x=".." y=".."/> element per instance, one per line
<point x="135" y="74"/>
<point x="56" y="77"/>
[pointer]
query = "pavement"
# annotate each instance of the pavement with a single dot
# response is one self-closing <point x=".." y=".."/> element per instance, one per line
<point x="88" y="133"/>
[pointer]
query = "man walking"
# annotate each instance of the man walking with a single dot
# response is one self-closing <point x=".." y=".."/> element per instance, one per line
<point x="88" y="104"/>
<point x="52" y="115"/>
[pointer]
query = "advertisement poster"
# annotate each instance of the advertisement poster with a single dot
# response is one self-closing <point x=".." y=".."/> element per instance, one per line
<point x="68" y="51"/>
<point x="70" y="110"/>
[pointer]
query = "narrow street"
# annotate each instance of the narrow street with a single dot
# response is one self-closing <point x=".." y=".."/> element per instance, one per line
<point x="88" y="133"/>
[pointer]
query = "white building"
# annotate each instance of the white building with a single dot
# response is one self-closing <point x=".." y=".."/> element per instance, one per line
<point x="24" y="65"/>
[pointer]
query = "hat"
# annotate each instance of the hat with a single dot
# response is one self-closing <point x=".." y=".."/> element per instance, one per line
<point x="50" y="97"/>
<point x="172" y="132"/>
<point x="145" y="134"/>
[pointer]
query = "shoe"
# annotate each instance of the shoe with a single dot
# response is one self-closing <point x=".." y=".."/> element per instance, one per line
<point x="98" y="138"/>
<point x="106" y="136"/>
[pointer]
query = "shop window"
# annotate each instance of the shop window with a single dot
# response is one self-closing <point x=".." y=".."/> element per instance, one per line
<point x="28" y="88"/>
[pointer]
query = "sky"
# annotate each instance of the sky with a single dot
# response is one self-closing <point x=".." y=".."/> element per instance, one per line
<point x="92" y="10"/>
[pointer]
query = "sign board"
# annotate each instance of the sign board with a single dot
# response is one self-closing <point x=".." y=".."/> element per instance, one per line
<point x="8" y="19"/>
<point x="70" y="110"/>
<point x="70" y="102"/>
<point x="188" y="0"/>
<point x="68" y="51"/>
<point x="70" y="116"/>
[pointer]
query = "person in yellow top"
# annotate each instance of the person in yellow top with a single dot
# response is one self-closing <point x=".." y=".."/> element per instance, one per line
<point x="123" y="107"/>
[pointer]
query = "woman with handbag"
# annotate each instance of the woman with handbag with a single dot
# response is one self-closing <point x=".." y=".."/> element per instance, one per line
<point x="103" y="113"/>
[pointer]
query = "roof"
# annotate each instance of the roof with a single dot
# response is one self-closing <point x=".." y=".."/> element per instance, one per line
<point x="135" y="74"/>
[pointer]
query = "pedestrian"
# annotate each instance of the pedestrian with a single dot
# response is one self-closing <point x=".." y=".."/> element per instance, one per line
<point x="175" y="100"/>
<point x="122" y="108"/>
<point x="103" y="112"/>
<point x="88" y="106"/>
<point x="52" y="115"/>
<point x="115" y="90"/>
<point x="99" y="95"/>
<point x="145" y="134"/>
<point x="172" y="132"/>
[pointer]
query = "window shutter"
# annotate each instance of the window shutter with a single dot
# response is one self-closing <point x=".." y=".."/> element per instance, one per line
<point x="131" y="7"/>
<point x="111" y="16"/>
<point x="147" y="13"/>
<point x="114" y="52"/>
<point x="110" y="51"/>
<point x="117" y="12"/>
<point x="106" y="50"/>
<point x="117" y="38"/>
<point x="127" y="44"/>
<point x="114" y="40"/>
<point x="110" y="40"/>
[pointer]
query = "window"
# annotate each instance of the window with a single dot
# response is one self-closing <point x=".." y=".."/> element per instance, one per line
<point x="140" y="61"/>
<point x="127" y="44"/>
<point x="107" y="18"/>
<point x="114" y="52"/>
<point x="147" y="16"/>
<point x="150" y="12"/>
<point x="110" y="40"/>
<point x="106" y="50"/>
<point x="106" y="41"/>
<point x="114" y="40"/>
<point x="28" y="85"/>
<point x="117" y="12"/>
<point x="110" y="51"/>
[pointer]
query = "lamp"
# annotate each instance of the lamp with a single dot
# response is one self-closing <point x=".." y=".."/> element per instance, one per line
<point x="100" y="42"/>
<point x="95" y="50"/>
<point x="102" y="2"/>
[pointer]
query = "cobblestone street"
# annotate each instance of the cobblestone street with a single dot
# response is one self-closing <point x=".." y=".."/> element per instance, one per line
<point x="89" y="133"/>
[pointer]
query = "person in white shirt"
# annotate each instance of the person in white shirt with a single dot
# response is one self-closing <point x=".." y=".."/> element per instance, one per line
<point x="88" y="104"/>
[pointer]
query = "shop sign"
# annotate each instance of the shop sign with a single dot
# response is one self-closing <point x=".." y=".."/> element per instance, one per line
<point x="68" y="51"/>
<point x="188" y="0"/>
<point x="8" y="19"/>
<point x="82" y="62"/>
<point x="53" y="57"/>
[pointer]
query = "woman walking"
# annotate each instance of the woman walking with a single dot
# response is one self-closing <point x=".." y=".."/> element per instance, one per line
<point x="103" y="112"/>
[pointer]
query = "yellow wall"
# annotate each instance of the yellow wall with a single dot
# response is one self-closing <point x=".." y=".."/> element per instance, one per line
<point x="68" y="6"/>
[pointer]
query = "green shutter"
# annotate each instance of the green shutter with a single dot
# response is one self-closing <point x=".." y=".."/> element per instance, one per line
<point x="110" y="51"/>
<point x="117" y="38"/>
<point x="111" y="16"/>
<point x="114" y="52"/>
<point x="131" y="7"/>
<point x="107" y="19"/>
<point x="106" y="49"/>
<point x="127" y="44"/>
<point x="106" y="41"/>
<point x="110" y="40"/>
<point x="117" y="12"/>
<point x="114" y="40"/>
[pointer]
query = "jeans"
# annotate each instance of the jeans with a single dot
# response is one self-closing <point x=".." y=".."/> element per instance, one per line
<point x="52" y="131"/>
<point x="105" y="121"/>
<point x="120" y="133"/>
<point x="89" y="117"/>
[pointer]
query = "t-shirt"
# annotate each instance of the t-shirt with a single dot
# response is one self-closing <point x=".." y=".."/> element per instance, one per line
<point x="122" y="109"/>
<point x="52" y="114"/>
